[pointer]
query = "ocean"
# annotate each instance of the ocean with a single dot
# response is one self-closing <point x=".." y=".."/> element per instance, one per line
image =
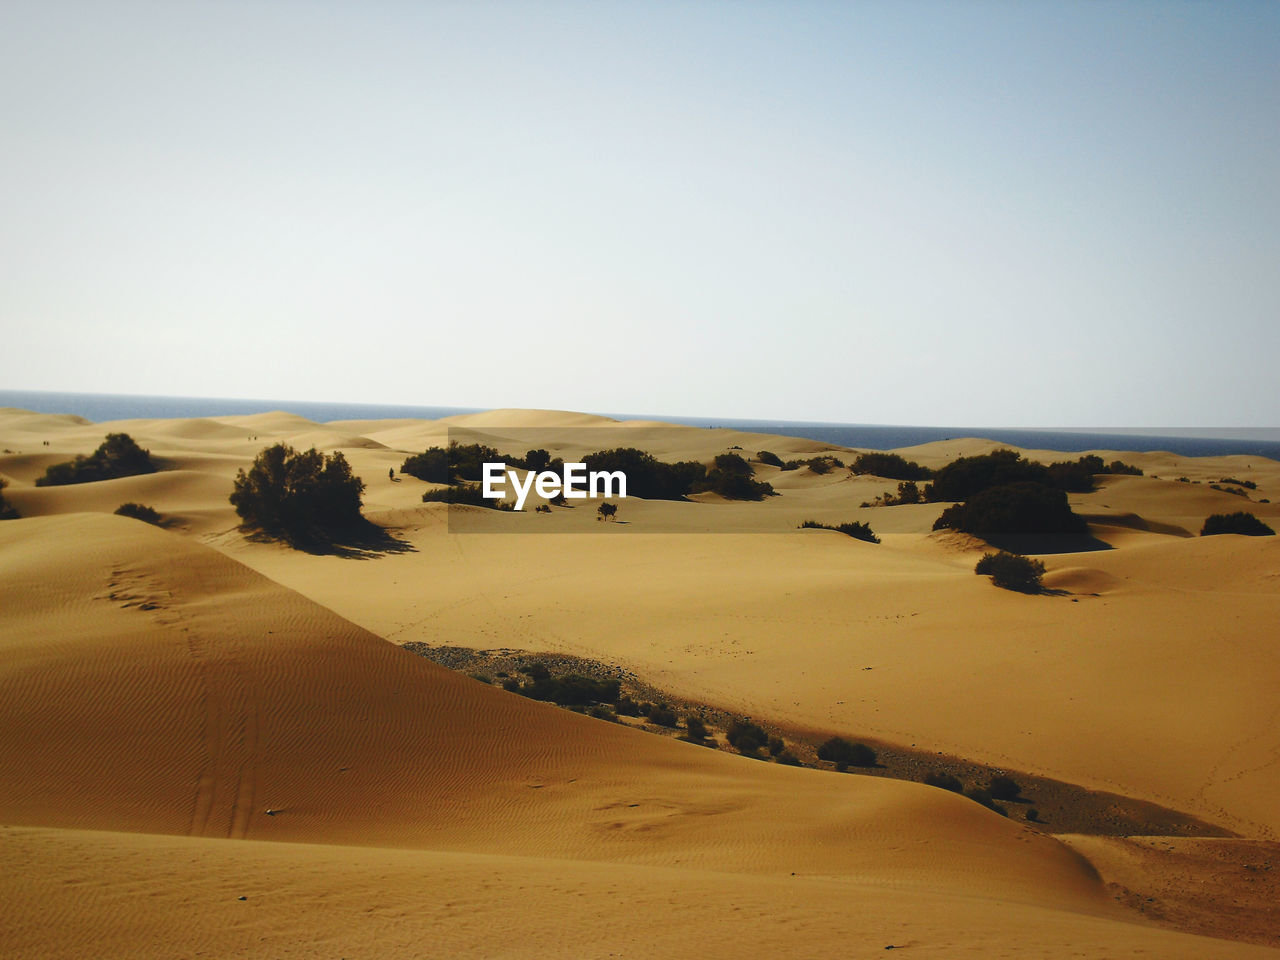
<point x="105" y="407"/>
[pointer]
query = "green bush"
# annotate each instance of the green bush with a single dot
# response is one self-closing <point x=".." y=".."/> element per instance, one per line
<point x="1240" y="522"/>
<point x="117" y="456"/>
<point x="457" y="462"/>
<point x="1011" y="571"/>
<point x="301" y="498"/>
<point x="839" y="750"/>
<point x="648" y="477"/>
<point x="967" y="476"/>
<point x="138" y="511"/>
<point x="1023" y="507"/>
<point x="764" y="456"/>
<point x="889" y="465"/>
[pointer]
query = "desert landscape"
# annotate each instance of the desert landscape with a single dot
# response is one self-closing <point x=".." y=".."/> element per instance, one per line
<point x="218" y="743"/>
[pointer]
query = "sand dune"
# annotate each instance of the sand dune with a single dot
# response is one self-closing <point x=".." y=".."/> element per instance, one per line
<point x="185" y="682"/>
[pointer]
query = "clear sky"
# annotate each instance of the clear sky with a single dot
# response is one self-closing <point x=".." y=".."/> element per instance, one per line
<point x="1048" y="214"/>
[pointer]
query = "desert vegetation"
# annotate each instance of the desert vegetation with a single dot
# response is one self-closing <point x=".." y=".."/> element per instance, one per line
<point x="138" y="511"/>
<point x="1241" y="522"/>
<point x="1014" y="508"/>
<point x="118" y="456"/>
<point x="304" y="498"/>
<point x="469" y="494"/>
<point x="889" y="465"/>
<point x="734" y="479"/>
<point x="7" y="512"/>
<point x="845" y="754"/>
<point x="855" y="529"/>
<point x="1011" y="571"/>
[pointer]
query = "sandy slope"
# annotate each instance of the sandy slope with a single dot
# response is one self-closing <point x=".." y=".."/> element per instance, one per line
<point x="187" y="681"/>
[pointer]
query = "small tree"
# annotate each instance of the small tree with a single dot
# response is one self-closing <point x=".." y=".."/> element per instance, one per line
<point x="117" y="456"/>
<point x="746" y="737"/>
<point x="1012" y="572"/>
<point x="302" y="498"/>
<point x="607" y="511"/>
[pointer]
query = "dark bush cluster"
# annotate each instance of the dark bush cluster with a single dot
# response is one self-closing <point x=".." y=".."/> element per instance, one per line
<point x="1247" y="484"/>
<point x="570" y="690"/>
<point x="1234" y="491"/>
<point x="647" y="476"/>
<point x="470" y="494"/>
<point x="7" y="512"/>
<point x="138" y="511"/>
<point x="696" y="727"/>
<point x="734" y="479"/>
<point x="1011" y="571"/>
<point x="1004" y="788"/>
<point x="464" y="462"/>
<point x="746" y="737"/>
<point x="907" y="493"/>
<point x="118" y="456"/>
<point x="845" y="754"/>
<point x="1241" y="522"/>
<point x="1077" y="476"/>
<point x="854" y="528"/>
<point x="945" y="781"/>
<point x="764" y="456"/>
<point x="963" y="478"/>
<point x="819" y="465"/>
<point x="889" y="465"/>
<point x="1024" y="507"/>
<point x="302" y="497"/>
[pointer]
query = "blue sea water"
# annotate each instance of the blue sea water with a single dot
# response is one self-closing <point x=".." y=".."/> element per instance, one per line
<point x="104" y="407"/>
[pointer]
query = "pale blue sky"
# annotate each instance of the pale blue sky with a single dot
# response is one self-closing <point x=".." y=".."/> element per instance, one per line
<point x="971" y="213"/>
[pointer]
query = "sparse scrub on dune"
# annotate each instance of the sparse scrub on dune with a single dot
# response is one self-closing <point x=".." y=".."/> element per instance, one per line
<point x="570" y="690"/>
<point x="855" y="529"/>
<point x="765" y="456"/>
<point x="907" y="493"/>
<point x="844" y="753"/>
<point x="301" y="497"/>
<point x="469" y="494"/>
<point x="647" y="476"/>
<point x="746" y="737"/>
<point x="818" y="465"/>
<point x="1011" y="571"/>
<point x="984" y="797"/>
<point x="7" y="512"/>
<point x="663" y="716"/>
<point x="1234" y="491"/>
<point x="1240" y="522"/>
<point x="118" y="456"/>
<point x="968" y="476"/>
<point x="1004" y="788"/>
<point x="138" y="511"/>
<point x="696" y="728"/>
<point x="1247" y="484"/>
<point x="1014" y="508"/>
<point x="945" y="781"/>
<point x="734" y="479"/>
<point x="889" y="465"/>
